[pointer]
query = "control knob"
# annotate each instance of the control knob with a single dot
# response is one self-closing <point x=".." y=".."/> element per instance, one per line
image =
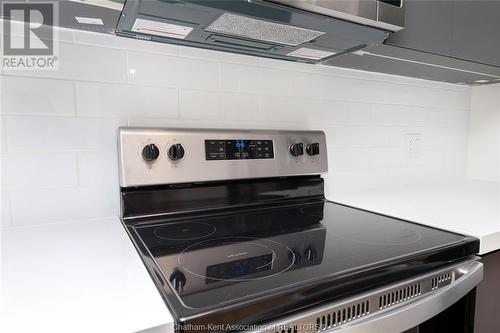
<point x="176" y="152"/>
<point x="310" y="254"/>
<point x="150" y="152"/>
<point x="297" y="149"/>
<point x="178" y="281"/>
<point x="312" y="149"/>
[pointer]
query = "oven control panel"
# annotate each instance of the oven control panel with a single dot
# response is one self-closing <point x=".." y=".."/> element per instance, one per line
<point x="238" y="149"/>
<point x="156" y="156"/>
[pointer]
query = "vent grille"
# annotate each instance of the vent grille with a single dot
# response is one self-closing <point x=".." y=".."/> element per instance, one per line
<point x="247" y="27"/>
<point x="440" y="279"/>
<point x="335" y="315"/>
<point x="342" y="316"/>
<point x="399" y="295"/>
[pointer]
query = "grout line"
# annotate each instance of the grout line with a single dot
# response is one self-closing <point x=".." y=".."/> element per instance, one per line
<point x="81" y="116"/>
<point x="219" y="76"/>
<point x="368" y="122"/>
<point x="127" y="67"/>
<point x="3" y="129"/>
<point x="238" y="91"/>
<point x="56" y="151"/>
<point x="11" y="211"/>
<point x="9" y="205"/>
<point x="170" y="49"/>
<point x="75" y="99"/>
<point x="63" y="78"/>
<point x="179" y="103"/>
<point x="77" y="160"/>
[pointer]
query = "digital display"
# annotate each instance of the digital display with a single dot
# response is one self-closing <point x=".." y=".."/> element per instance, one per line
<point x="238" y="149"/>
<point x="235" y="269"/>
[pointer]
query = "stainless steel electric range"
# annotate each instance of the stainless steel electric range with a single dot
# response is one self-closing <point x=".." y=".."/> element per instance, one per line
<point x="236" y="232"/>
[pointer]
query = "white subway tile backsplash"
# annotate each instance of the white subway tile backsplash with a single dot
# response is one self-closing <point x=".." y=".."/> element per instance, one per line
<point x="63" y="204"/>
<point x="451" y="117"/>
<point x="193" y="52"/>
<point x="175" y="123"/>
<point x="346" y="112"/>
<point x="239" y="107"/>
<point x="3" y="134"/>
<point x="199" y="104"/>
<point x="313" y="85"/>
<point x="90" y="38"/>
<point x="116" y="100"/>
<point x="24" y="95"/>
<point x="423" y="116"/>
<point x="84" y="62"/>
<point x="65" y="35"/>
<point x="254" y="79"/>
<point x="336" y="135"/>
<point x="58" y="128"/>
<point x="22" y="171"/>
<point x="34" y="133"/>
<point x="367" y="136"/>
<point x="235" y="124"/>
<point x="98" y="168"/>
<point x="154" y="69"/>
<point x="347" y="159"/>
<point x="314" y="110"/>
<point x="291" y="109"/>
<point x="396" y="115"/>
<point x="5" y="210"/>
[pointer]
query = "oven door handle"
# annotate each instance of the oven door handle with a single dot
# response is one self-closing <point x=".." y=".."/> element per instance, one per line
<point x="412" y="314"/>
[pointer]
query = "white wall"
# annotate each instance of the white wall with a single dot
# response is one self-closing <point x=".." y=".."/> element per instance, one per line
<point x="483" y="162"/>
<point x="59" y="127"/>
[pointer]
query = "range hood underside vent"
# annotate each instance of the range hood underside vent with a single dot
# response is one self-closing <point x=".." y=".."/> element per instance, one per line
<point x="247" y="27"/>
<point x="256" y="28"/>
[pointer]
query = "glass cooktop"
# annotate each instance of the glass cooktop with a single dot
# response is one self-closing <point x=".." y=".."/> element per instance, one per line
<point x="227" y="258"/>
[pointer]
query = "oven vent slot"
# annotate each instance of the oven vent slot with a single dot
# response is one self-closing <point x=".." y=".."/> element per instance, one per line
<point x="342" y="315"/>
<point x="291" y="329"/>
<point x="334" y="316"/>
<point x="399" y="295"/>
<point x="441" y="278"/>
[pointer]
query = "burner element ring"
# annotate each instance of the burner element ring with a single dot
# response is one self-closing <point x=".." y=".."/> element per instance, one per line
<point x="237" y="259"/>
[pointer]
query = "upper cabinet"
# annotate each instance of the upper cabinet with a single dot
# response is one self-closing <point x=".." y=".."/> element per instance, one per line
<point x="468" y="30"/>
<point x="453" y="41"/>
<point x="476" y="31"/>
<point x="428" y="27"/>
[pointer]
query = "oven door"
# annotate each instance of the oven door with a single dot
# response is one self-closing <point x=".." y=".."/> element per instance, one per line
<point x="439" y="301"/>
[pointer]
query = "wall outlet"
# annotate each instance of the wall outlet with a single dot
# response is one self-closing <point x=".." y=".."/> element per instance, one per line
<point x="413" y="146"/>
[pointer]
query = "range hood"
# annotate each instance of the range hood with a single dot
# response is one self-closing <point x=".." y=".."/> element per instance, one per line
<point x="307" y="30"/>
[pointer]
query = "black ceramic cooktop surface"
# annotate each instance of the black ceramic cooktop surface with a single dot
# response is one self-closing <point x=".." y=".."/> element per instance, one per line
<point x="224" y="259"/>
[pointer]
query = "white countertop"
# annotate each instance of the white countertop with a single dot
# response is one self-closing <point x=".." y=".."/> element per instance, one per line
<point x="83" y="276"/>
<point x="86" y="276"/>
<point x="467" y="207"/>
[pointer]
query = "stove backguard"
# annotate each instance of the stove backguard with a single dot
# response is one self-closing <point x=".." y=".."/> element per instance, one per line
<point x="167" y="200"/>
